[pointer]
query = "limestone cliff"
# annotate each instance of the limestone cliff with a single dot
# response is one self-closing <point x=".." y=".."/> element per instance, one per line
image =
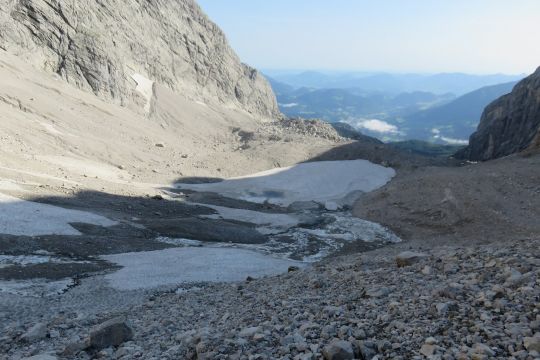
<point x="509" y="125"/>
<point x="110" y="47"/>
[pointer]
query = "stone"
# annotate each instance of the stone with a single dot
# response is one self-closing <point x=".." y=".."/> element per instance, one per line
<point x="41" y="357"/>
<point x="480" y="348"/>
<point x="293" y="268"/>
<point x="36" y="332"/>
<point x="75" y="346"/>
<point x="249" y="332"/>
<point x="378" y="292"/>
<point x="428" y="350"/>
<point x="113" y="332"/>
<point x="532" y="343"/>
<point x="331" y="206"/>
<point x="408" y="258"/>
<point x="364" y="350"/>
<point x="338" y="350"/>
<point x="160" y="145"/>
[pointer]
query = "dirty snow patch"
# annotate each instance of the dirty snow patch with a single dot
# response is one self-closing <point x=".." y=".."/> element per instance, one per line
<point x="146" y="270"/>
<point x="316" y="181"/>
<point x="26" y="218"/>
<point x="36" y="288"/>
<point x="268" y="223"/>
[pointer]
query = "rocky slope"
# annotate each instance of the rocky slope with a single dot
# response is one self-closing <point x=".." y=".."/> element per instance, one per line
<point x="478" y="302"/>
<point x="510" y="124"/>
<point x="109" y="47"/>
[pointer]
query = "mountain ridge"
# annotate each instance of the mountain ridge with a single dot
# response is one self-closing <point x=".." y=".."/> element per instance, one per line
<point x="101" y="47"/>
<point x="509" y="125"/>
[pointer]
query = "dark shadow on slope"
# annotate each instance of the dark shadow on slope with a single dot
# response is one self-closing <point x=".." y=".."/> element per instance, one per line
<point x="141" y="221"/>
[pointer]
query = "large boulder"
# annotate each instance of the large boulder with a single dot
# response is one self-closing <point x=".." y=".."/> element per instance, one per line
<point x="110" y="333"/>
<point x="509" y="125"/>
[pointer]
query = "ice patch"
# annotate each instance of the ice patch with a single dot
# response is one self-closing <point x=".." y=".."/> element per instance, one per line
<point x="314" y="244"/>
<point x="26" y="218"/>
<point x="179" y="242"/>
<point x="25" y="260"/>
<point x="268" y="223"/>
<point x="318" y="181"/>
<point x="145" y="270"/>
<point x="145" y="87"/>
<point x="36" y="288"/>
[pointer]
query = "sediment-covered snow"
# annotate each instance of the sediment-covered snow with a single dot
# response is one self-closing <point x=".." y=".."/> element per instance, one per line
<point x="20" y="217"/>
<point x="145" y="270"/>
<point x="267" y="223"/>
<point x="318" y="181"/>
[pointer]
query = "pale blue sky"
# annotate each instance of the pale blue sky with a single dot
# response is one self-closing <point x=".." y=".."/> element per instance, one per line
<point x="476" y="36"/>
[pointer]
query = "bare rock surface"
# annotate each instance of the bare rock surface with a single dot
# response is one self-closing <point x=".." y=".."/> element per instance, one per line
<point x="509" y="125"/>
<point x="110" y="48"/>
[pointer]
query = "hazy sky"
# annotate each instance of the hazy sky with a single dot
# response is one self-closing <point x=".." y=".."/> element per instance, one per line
<point x="477" y="36"/>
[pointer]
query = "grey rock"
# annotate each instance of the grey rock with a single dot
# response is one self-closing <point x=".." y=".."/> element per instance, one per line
<point x="36" y="332"/>
<point x="532" y="343"/>
<point x="378" y="292"/>
<point x="331" y="206"/>
<point x="509" y="125"/>
<point x="364" y="350"/>
<point x="428" y="349"/>
<point x="99" y="47"/>
<point x="338" y="350"/>
<point x="249" y="332"/>
<point x="408" y="258"/>
<point x="113" y="332"/>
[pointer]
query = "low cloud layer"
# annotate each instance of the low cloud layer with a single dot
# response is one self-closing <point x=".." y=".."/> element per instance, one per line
<point x="377" y="126"/>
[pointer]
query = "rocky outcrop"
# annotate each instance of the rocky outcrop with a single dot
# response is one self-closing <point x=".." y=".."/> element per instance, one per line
<point x="112" y="47"/>
<point x="509" y="125"/>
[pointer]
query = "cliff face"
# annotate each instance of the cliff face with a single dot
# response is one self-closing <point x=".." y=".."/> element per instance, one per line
<point x="105" y="47"/>
<point x="509" y="125"/>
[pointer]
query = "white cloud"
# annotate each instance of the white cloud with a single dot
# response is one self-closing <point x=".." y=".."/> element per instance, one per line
<point x="291" y="105"/>
<point x="454" y="141"/>
<point x="378" y="126"/>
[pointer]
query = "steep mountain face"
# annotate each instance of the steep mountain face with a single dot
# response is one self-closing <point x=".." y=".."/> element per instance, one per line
<point x="510" y="124"/>
<point x="111" y="48"/>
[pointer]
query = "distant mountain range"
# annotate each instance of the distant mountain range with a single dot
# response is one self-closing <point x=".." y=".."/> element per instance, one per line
<point x="456" y="83"/>
<point x="434" y="116"/>
<point x="456" y="120"/>
<point x="334" y="105"/>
